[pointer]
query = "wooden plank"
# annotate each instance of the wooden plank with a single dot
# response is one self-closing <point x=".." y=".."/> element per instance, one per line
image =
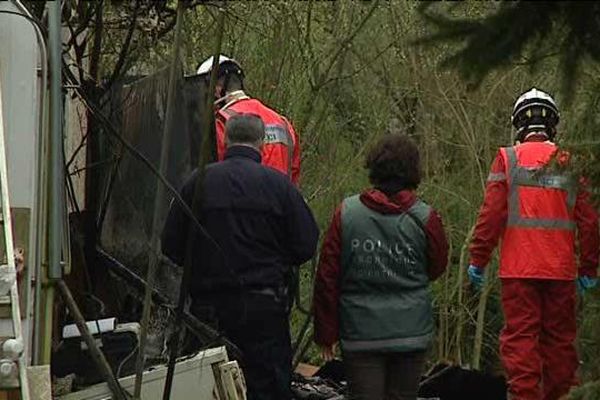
<point x="306" y="370"/>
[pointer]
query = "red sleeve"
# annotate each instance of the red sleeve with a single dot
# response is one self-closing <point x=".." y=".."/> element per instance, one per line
<point x="437" y="246"/>
<point x="220" y="132"/>
<point x="295" y="156"/>
<point x="586" y="218"/>
<point x="327" y="284"/>
<point x="492" y="215"/>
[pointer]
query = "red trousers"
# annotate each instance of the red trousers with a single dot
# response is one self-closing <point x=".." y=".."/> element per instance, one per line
<point x="537" y="343"/>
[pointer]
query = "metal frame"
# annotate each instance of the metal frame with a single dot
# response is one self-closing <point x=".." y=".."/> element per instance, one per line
<point x="10" y="258"/>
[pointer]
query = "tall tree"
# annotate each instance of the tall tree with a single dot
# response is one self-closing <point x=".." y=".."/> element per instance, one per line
<point x="522" y="31"/>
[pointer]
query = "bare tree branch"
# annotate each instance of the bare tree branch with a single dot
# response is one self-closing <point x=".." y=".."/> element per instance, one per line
<point x="126" y="46"/>
<point x="97" y="46"/>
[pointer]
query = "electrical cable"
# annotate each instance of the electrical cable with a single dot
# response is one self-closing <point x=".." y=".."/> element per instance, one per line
<point x="124" y="361"/>
<point x="27" y="17"/>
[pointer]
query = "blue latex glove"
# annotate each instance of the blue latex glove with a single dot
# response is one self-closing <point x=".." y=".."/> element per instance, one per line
<point x="585" y="283"/>
<point x="476" y="276"/>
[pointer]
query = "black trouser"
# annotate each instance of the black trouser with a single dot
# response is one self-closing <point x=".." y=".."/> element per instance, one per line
<point x="383" y="376"/>
<point x="259" y="326"/>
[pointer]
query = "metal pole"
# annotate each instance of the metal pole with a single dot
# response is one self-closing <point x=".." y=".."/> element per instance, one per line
<point x="45" y="353"/>
<point x="54" y="231"/>
<point x="159" y="201"/>
<point x="207" y="145"/>
<point x="56" y="138"/>
<point x="7" y="228"/>
<point x="95" y="352"/>
<point x="37" y="234"/>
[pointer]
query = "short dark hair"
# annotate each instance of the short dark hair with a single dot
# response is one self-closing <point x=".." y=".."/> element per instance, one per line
<point x="245" y="129"/>
<point x="394" y="159"/>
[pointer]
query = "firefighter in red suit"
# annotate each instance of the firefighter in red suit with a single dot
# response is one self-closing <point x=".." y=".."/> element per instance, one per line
<point x="537" y="211"/>
<point x="281" y="148"/>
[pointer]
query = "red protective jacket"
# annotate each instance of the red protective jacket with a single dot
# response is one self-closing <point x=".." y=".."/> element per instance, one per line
<point x="281" y="142"/>
<point x="327" y="290"/>
<point x="535" y="213"/>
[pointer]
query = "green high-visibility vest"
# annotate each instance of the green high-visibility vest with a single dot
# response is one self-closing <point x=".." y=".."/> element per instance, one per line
<point x="385" y="304"/>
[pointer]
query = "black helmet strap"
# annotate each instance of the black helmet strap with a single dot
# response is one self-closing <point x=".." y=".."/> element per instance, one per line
<point x="535" y="118"/>
<point x="522" y="133"/>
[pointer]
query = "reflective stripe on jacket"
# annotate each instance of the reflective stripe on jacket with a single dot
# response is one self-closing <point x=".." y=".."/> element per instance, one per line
<point x="385" y="303"/>
<point x="535" y="211"/>
<point x="281" y="149"/>
<point x="539" y="240"/>
<point x="327" y="289"/>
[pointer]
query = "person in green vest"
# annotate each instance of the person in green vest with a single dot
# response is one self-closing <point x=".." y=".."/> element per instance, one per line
<point x="371" y="294"/>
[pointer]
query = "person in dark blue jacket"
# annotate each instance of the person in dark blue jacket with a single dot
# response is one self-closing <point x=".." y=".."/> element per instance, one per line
<point x="263" y="228"/>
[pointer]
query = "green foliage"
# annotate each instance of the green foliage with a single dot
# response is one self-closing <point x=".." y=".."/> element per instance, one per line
<point x="588" y="391"/>
<point x="523" y="31"/>
<point x="347" y="72"/>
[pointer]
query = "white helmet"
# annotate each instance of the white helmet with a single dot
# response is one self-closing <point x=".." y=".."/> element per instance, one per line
<point x="227" y="64"/>
<point x="535" y="110"/>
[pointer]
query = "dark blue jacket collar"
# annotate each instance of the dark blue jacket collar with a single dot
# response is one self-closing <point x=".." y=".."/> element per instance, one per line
<point x="243" y="151"/>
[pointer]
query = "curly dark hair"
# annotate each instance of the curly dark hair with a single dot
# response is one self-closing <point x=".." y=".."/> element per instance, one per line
<point x="394" y="161"/>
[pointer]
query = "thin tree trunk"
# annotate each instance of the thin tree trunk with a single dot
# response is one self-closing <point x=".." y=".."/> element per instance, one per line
<point x="460" y="305"/>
